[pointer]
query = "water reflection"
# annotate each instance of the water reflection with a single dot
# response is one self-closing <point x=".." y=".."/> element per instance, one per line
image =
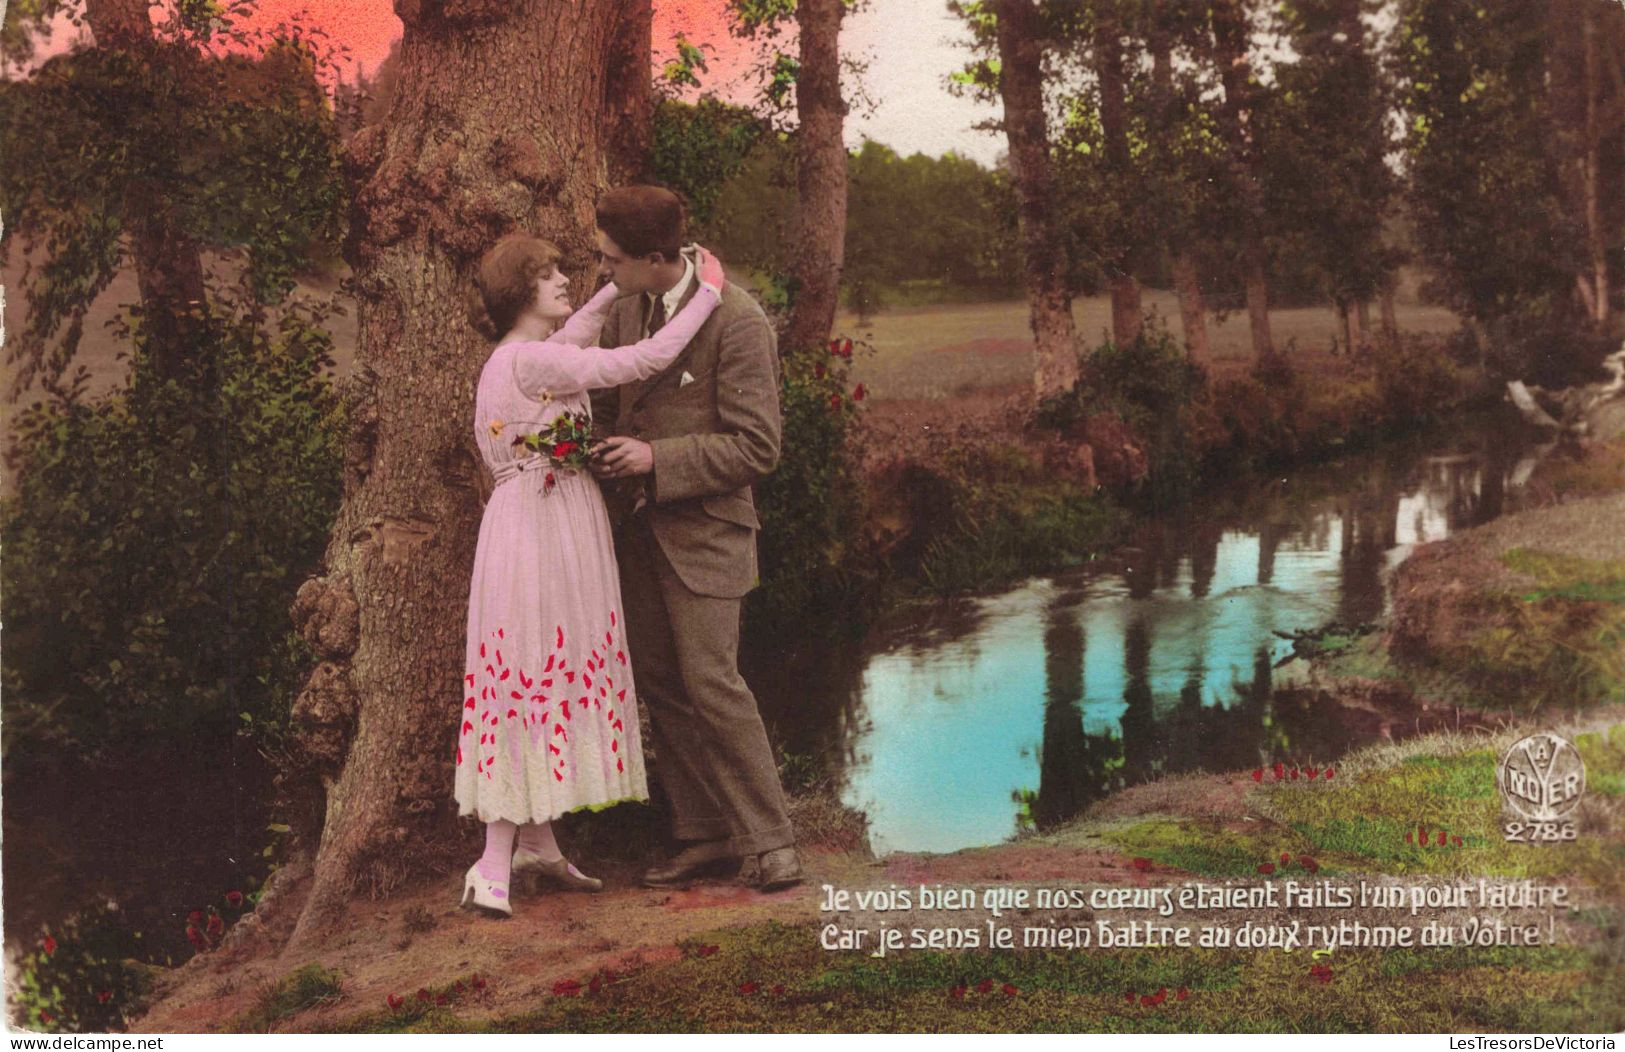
<point x="1019" y="709"/>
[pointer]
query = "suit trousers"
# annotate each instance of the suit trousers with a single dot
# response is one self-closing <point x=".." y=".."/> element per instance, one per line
<point x="711" y="750"/>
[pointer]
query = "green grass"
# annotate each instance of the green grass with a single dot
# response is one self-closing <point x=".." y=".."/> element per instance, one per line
<point x="801" y="988"/>
<point x="300" y="991"/>
<point x="932" y="352"/>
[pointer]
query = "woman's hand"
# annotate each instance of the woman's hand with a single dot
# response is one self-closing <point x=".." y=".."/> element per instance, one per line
<point x="711" y="274"/>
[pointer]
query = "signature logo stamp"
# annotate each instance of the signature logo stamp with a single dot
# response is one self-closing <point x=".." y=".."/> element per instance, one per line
<point x="1541" y="779"/>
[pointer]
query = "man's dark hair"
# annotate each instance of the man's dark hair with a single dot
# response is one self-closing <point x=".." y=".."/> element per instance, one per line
<point x="643" y="220"/>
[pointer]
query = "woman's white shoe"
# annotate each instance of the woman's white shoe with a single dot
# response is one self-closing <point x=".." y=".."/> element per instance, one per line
<point x="485" y="894"/>
<point x="558" y="869"/>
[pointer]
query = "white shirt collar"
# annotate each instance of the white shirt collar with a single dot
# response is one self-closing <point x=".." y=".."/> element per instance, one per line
<point x="674" y="296"/>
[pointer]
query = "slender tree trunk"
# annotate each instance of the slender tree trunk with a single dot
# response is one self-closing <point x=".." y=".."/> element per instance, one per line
<point x="1021" y="86"/>
<point x="494" y="126"/>
<point x="168" y="262"/>
<point x="1390" y="316"/>
<point x="1192" y="311"/>
<point x="821" y="177"/>
<point x="1345" y="325"/>
<point x="1187" y="283"/>
<point x="1230" y="38"/>
<point x="1125" y="287"/>
<point x="1596" y="237"/>
<point x="629" y="94"/>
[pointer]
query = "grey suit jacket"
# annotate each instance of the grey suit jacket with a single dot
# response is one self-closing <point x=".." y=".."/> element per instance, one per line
<point x="713" y="437"/>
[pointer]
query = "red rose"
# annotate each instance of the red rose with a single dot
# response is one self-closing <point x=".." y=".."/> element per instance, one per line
<point x="1142" y="864"/>
<point x="985" y="986"/>
<point x="1182" y="994"/>
<point x="48" y="944"/>
<point x="1267" y="868"/>
<point x="195" y="937"/>
<point x="1011" y="990"/>
<point x="564" y="449"/>
<point x="217" y="926"/>
<point x="423" y="995"/>
<point x="749" y="987"/>
<point x="566" y="988"/>
<point x="395" y="1001"/>
<point x="835" y="401"/>
<point x="234" y="899"/>
<point x="195" y="917"/>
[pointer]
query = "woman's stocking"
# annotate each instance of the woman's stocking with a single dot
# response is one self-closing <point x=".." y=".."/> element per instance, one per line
<point x="498" y="858"/>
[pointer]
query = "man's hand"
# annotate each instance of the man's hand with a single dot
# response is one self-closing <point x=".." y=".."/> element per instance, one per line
<point x="621" y="457"/>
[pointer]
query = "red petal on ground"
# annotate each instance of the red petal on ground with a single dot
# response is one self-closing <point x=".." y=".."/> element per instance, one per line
<point x="985" y="986"/>
<point x="1258" y="774"/>
<point x="1267" y="868"/>
<point x="566" y="988"/>
<point x="1329" y="773"/>
<point x="749" y="987"/>
<point x="1181" y="994"/>
<point x="1142" y="864"/>
<point x="1011" y="990"/>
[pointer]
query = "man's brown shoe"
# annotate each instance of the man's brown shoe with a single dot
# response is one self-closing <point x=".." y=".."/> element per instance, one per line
<point x="773" y="870"/>
<point x="695" y="861"/>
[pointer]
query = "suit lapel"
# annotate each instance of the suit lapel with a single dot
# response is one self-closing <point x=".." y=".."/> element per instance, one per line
<point x="642" y="388"/>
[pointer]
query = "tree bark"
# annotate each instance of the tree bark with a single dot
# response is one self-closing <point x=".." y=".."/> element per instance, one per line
<point x="1021" y="86"/>
<point x="1390" y="316"/>
<point x="1192" y="311"/>
<point x="1125" y="287"/>
<point x="1596" y="237"/>
<point x="1187" y="283"/>
<point x="629" y="94"/>
<point x="821" y="178"/>
<point x="494" y="127"/>
<point x="1230" y="40"/>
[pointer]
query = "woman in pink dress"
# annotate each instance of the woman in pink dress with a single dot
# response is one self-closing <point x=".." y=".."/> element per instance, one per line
<point x="549" y="717"/>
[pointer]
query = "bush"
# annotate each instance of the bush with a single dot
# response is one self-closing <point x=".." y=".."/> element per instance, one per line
<point x="158" y="535"/>
<point x="77" y="978"/>
<point x="812" y="544"/>
<point x="1149" y="384"/>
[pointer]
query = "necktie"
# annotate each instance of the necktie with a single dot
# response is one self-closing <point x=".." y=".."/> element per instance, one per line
<point x="657" y="317"/>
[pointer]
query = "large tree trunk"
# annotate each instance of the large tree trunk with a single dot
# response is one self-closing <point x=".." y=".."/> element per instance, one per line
<point x="1230" y="35"/>
<point x="168" y="262"/>
<point x="629" y="98"/>
<point x="1125" y="287"/>
<point x="1021" y="86"/>
<point x="821" y="175"/>
<point x="495" y="126"/>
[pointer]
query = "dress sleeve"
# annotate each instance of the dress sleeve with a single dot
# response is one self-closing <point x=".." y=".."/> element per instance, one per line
<point x="551" y="368"/>
<point x="583" y="326"/>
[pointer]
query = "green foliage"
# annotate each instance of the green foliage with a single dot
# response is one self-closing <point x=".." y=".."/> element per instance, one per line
<point x="1148" y="384"/>
<point x="158" y="535"/>
<point x="76" y="977"/>
<point x="1327" y="115"/>
<point x="1492" y="217"/>
<point x="911" y="219"/>
<point x="699" y="147"/>
<point x="233" y="153"/>
<point x="812" y="541"/>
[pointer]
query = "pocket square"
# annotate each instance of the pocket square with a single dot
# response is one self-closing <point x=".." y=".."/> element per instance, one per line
<point x="686" y="379"/>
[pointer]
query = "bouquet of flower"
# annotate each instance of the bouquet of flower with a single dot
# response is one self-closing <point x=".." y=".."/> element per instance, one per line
<point x="567" y="441"/>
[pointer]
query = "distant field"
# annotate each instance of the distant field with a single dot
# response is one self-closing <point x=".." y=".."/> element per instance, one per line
<point x="920" y="353"/>
<point x="927" y="353"/>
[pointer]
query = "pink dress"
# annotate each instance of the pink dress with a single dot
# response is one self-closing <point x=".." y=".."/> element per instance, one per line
<point x="549" y="720"/>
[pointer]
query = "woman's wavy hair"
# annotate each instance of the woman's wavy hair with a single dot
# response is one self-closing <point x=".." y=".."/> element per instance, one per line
<point x="505" y="282"/>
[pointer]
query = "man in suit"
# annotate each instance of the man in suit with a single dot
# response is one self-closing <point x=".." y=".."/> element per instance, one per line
<point x="687" y="446"/>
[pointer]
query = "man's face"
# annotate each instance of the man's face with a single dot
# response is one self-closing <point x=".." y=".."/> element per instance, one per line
<point x="628" y="274"/>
